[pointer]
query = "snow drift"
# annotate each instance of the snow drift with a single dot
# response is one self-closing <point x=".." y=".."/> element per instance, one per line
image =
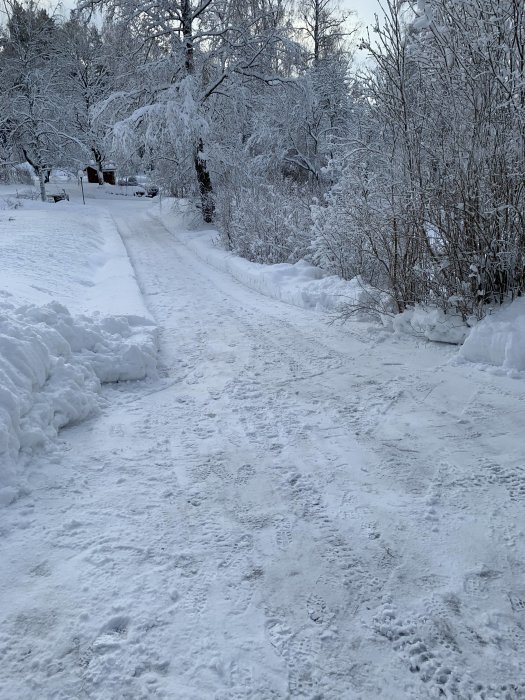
<point x="51" y="369"/>
<point x="499" y="339"/>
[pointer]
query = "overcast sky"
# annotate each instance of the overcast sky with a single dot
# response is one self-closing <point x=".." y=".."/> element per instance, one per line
<point x="365" y="9"/>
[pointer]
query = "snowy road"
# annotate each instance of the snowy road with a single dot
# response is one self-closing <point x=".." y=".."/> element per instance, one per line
<point x="297" y="510"/>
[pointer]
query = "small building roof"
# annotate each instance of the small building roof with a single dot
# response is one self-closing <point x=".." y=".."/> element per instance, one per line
<point x="110" y="167"/>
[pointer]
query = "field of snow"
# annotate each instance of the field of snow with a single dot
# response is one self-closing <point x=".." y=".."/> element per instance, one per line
<point x="291" y="510"/>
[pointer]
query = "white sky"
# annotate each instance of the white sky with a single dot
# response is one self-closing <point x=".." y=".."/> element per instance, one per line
<point x="365" y="9"/>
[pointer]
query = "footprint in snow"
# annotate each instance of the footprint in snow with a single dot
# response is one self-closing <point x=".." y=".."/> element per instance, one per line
<point x="111" y="634"/>
<point x="517" y="602"/>
<point x="478" y="583"/>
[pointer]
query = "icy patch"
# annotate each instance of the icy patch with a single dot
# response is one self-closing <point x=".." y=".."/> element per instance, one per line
<point x="499" y="339"/>
<point x="51" y="368"/>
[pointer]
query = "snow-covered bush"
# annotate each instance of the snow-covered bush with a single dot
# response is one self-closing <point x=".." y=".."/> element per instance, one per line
<point x="345" y="232"/>
<point x="16" y="174"/>
<point x="266" y="224"/>
<point x="9" y="203"/>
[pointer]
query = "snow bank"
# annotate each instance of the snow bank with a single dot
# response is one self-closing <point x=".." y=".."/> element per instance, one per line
<point x="300" y="284"/>
<point x="499" y="339"/>
<point x="496" y="341"/>
<point x="71" y="317"/>
<point x="51" y="368"/>
<point x="430" y="323"/>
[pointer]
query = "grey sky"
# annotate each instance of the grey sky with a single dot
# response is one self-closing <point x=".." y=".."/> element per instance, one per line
<point x="365" y="9"/>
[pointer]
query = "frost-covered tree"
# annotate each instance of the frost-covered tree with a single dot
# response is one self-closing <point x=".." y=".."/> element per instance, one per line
<point x="325" y="27"/>
<point x="30" y="109"/>
<point x="473" y="55"/>
<point x="295" y="127"/>
<point x="91" y="75"/>
<point x="191" y="52"/>
<point x="432" y="179"/>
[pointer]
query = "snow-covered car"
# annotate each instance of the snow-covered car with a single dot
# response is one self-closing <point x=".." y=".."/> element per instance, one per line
<point x="58" y="196"/>
<point x="127" y="181"/>
<point x="146" y="190"/>
<point x="58" y="175"/>
<point x="140" y="185"/>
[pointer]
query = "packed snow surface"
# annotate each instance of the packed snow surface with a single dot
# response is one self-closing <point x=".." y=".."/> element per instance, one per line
<point x="293" y="510"/>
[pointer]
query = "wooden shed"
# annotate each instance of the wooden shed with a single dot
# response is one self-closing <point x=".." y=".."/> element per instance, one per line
<point x="108" y="173"/>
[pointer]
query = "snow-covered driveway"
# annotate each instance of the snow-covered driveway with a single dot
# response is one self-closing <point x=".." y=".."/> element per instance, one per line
<point x="296" y="510"/>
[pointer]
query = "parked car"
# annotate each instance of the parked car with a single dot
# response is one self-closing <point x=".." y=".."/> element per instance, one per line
<point x="127" y="181"/>
<point x="140" y="185"/>
<point x="146" y="190"/>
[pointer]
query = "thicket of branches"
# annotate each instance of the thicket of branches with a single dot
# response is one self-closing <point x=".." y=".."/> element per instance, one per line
<point x="441" y="199"/>
<point x="409" y="172"/>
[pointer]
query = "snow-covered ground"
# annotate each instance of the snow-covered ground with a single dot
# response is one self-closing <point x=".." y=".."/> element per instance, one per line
<point x="294" y="509"/>
<point x="71" y="317"/>
<point x="300" y="284"/>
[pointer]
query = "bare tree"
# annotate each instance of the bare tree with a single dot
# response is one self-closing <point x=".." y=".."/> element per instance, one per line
<point x="325" y="27"/>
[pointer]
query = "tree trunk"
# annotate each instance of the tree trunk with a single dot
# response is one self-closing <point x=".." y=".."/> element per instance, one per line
<point x="205" y="186"/>
<point x="316" y="33"/>
<point x="201" y="168"/>
<point x="187" y="35"/>
<point x="98" y="161"/>
<point x="40" y="171"/>
<point x="42" y="183"/>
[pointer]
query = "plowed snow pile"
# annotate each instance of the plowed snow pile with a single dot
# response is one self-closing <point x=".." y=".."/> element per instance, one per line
<point x="300" y="284"/>
<point x="52" y="362"/>
<point x="499" y="340"/>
